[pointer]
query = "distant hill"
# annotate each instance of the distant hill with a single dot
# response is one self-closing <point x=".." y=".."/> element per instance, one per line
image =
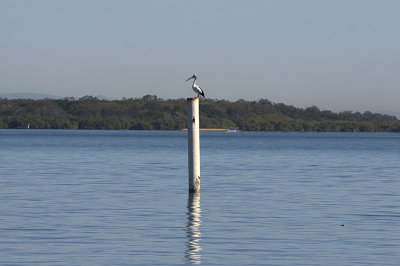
<point x="39" y="96"/>
<point x="150" y="112"/>
<point x="396" y="114"/>
<point x="28" y="95"/>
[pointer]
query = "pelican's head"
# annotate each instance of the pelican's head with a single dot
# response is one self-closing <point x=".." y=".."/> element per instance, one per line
<point x="193" y="77"/>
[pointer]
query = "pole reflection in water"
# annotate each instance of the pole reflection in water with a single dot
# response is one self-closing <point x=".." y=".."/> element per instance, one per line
<point x="193" y="234"/>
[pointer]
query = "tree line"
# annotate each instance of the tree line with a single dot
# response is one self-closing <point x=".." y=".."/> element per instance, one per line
<point x="152" y="113"/>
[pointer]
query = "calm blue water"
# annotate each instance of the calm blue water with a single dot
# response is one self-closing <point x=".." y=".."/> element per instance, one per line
<point x="120" y="198"/>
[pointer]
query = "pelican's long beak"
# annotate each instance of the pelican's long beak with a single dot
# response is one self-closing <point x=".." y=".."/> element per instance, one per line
<point x="192" y="77"/>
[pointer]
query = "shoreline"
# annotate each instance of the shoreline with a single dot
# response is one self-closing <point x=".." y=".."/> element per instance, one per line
<point x="201" y="129"/>
<point x="207" y="129"/>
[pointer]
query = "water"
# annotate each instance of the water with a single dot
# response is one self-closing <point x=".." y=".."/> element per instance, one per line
<point x="120" y="198"/>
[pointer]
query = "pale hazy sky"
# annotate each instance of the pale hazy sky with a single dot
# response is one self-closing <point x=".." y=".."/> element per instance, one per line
<point x="338" y="55"/>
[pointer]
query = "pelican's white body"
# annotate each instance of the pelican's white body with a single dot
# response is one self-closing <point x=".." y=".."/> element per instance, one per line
<point x="197" y="89"/>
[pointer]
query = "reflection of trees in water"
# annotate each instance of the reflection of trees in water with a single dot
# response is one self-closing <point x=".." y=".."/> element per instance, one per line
<point x="193" y="229"/>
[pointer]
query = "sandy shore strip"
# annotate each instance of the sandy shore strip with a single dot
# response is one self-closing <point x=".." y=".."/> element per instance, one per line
<point x="208" y="129"/>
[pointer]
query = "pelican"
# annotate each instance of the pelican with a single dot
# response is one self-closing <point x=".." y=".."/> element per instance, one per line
<point x="196" y="87"/>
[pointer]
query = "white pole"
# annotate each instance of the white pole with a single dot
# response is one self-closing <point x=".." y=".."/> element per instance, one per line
<point x="193" y="144"/>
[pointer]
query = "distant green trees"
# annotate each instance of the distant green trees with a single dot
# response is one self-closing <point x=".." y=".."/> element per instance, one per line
<point x="150" y="112"/>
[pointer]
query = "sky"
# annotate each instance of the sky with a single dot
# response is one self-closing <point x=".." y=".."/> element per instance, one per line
<point x="338" y="55"/>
